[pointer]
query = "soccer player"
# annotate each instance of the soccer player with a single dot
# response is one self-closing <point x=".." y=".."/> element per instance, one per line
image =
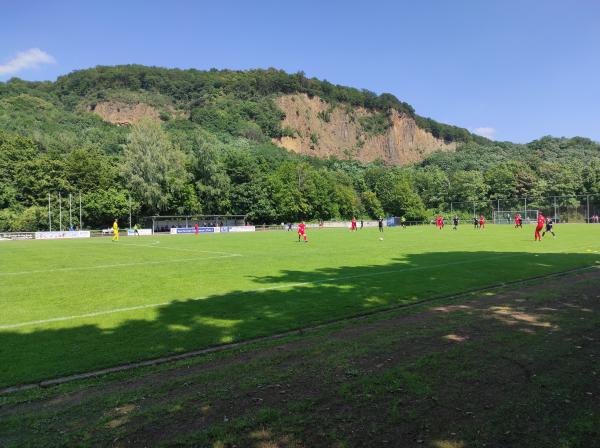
<point x="481" y="222"/>
<point x="380" y="223"/>
<point x="475" y="222"/>
<point x="136" y="230"/>
<point x="353" y="225"/>
<point x="302" y="232"/>
<point x="549" y="225"/>
<point x="115" y="231"/>
<point x="540" y="226"/>
<point x="455" y="222"/>
<point x="196" y="229"/>
<point x="439" y="222"/>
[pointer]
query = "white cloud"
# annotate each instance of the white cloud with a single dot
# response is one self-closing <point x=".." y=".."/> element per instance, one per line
<point x="32" y="58"/>
<point x="486" y="132"/>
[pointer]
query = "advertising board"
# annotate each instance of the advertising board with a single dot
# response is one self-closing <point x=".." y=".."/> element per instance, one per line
<point x="62" y="235"/>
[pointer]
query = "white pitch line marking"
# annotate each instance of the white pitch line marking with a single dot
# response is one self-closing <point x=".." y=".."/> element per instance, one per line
<point x="289" y="285"/>
<point x="177" y="249"/>
<point x="116" y="265"/>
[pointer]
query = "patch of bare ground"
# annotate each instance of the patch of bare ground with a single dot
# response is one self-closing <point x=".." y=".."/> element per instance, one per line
<point x="506" y="368"/>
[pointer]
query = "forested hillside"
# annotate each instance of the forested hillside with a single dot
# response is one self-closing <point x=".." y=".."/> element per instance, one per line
<point x="189" y="141"/>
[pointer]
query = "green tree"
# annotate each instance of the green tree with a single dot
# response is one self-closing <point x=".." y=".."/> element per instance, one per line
<point x="371" y="204"/>
<point x="153" y="169"/>
<point x="468" y="187"/>
<point x="397" y="196"/>
<point x="28" y="219"/>
<point x="591" y="177"/>
<point x="15" y="153"/>
<point x="287" y="184"/>
<point x="101" y="207"/>
<point x="432" y="185"/>
<point x="89" y="169"/>
<point x="212" y="183"/>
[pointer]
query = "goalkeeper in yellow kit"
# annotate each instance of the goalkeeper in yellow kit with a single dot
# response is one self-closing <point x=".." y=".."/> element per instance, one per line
<point x="115" y="231"/>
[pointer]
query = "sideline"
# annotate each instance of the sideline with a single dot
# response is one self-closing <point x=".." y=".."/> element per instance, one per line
<point x="117" y="265"/>
<point x="155" y="245"/>
<point x="300" y="330"/>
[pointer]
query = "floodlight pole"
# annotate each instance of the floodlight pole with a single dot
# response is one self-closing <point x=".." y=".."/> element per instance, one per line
<point x="587" y="212"/>
<point x="49" y="214"/>
<point x="59" y="212"/>
<point x="70" y="211"/>
<point x="555" y="210"/>
<point x="80" y="220"/>
<point x="130" y="212"/>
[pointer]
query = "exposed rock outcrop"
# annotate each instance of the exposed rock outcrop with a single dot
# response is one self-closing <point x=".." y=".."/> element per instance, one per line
<point x="323" y="130"/>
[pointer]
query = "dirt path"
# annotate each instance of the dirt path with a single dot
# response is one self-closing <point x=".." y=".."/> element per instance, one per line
<point x="500" y="368"/>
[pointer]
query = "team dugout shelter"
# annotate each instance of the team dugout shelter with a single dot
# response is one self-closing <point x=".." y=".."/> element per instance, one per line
<point x="166" y="223"/>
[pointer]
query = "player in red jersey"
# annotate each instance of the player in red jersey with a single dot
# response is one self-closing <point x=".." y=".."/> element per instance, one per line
<point x="439" y="221"/>
<point x="353" y="226"/>
<point x="481" y="222"/>
<point x="539" y="227"/>
<point x="302" y="232"/>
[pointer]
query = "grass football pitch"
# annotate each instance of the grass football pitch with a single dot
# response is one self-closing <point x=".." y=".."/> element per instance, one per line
<point x="77" y="305"/>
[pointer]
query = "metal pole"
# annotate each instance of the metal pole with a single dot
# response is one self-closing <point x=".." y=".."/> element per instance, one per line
<point x="526" y="209"/>
<point x="49" y="214"/>
<point x="59" y="212"/>
<point x="498" y="212"/>
<point x="474" y="215"/>
<point x="80" y="220"/>
<point x="70" y="212"/>
<point x="451" y="209"/>
<point x="587" y="212"/>
<point x="130" y="212"/>
<point x="555" y="210"/>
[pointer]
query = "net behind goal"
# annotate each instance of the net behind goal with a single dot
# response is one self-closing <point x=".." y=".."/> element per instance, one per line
<point x="508" y="216"/>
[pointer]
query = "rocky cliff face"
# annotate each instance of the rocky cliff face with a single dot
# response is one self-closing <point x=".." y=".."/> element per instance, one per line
<point x="323" y="130"/>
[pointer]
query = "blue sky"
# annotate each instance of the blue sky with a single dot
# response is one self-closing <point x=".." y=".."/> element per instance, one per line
<point x="522" y="68"/>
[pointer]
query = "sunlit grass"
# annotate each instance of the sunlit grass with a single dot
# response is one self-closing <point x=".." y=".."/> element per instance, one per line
<point x="76" y="305"/>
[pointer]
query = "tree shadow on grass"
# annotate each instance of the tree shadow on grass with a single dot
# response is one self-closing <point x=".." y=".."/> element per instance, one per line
<point x="290" y="300"/>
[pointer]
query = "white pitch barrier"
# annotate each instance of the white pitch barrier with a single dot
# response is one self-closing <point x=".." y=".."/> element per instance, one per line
<point x="140" y="232"/>
<point x="62" y="235"/>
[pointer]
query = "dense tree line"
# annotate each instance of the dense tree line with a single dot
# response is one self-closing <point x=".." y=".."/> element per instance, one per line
<point x="218" y="158"/>
<point x="164" y="170"/>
